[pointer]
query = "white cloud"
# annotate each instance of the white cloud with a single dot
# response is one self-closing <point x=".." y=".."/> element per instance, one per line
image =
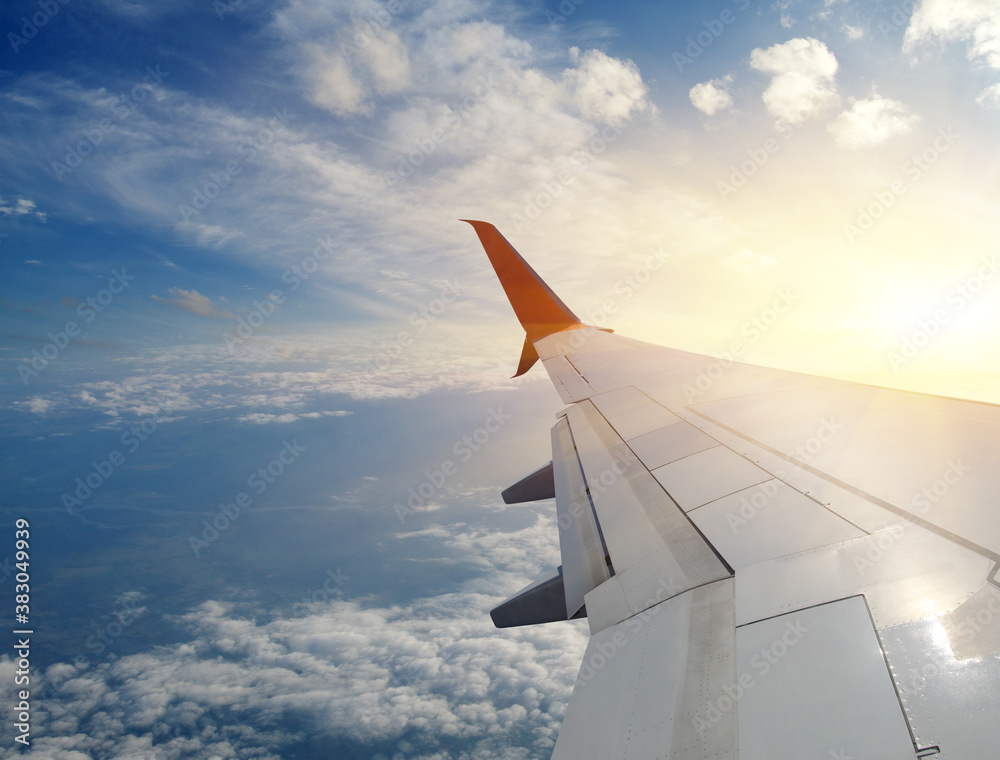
<point x="208" y="235"/>
<point x="259" y="418"/>
<point x="254" y="384"/>
<point x="334" y="86"/>
<point x="348" y="53"/>
<point x="484" y="41"/>
<point x="35" y="405"/>
<point x="803" y="72"/>
<point x="387" y="58"/>
<point x="990" y="97"/>
<point x="711" y="96"/>
<point x="483" y="122"/>
<point x="748" y="262"/>
<point x="605" y="89"/>
<point x="976" y="22"/>
<point x="194" y="302"/>
<point x="871" y="122"/>
<point x="853" y="32"/>
<point x="243" y="684"/>
<point x="21" y="207"/>
<point x="346" y="75"/>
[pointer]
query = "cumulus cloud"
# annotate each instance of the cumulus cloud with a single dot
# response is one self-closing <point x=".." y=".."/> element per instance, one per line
<point x="21" y="207"/>
<point x="802" y="84"/>
<point x="871" y="122"/>
<point x="976" y="22"/>
<point x="194" y="302"/>
<point x="39" y="405"/>
<point x="605" y="89"/>
<point x="711" y="96"/>
<point x="35" y="405"/>
<point x="241" y="684"/>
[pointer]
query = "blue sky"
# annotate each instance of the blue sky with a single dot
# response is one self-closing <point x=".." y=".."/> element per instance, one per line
<point x="238" y="223"/>
<point x="375" y="129"/>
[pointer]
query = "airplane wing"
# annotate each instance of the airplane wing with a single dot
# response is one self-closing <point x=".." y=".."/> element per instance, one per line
<point x="773" y="565"/>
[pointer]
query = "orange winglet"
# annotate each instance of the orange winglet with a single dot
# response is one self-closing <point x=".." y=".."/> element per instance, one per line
<point x="540" y="311"/>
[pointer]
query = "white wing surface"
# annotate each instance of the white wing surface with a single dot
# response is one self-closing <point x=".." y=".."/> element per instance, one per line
<point x="773" y="565"/>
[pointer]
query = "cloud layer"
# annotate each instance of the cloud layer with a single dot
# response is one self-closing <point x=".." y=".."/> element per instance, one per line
<point x="423" y="676"/>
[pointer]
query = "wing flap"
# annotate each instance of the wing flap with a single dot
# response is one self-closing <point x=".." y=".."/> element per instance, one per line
<point x="814" y="683"/>
<point x="584" y="557"/>
<point x="569" y="383"/>
<point x="645" y="682"/>
<point x="655" y="550"/>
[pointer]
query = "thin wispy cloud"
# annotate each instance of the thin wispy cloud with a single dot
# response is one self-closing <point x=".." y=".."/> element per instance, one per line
<point x="194" y="302"/>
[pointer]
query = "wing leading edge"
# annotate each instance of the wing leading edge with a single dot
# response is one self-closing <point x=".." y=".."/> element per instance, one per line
<point x="773" y="565"/>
